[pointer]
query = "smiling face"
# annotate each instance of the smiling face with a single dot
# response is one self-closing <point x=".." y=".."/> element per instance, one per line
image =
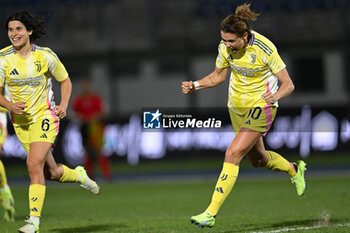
<point x="18" y="34"/>
<point x="234" y="42"/>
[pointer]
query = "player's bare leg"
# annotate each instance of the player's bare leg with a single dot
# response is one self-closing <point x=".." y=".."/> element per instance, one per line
<point x="37" y="155"/>
<point x="257" y="155"/>
<point x="242" y="144"/>
<point x="63" y="174"/>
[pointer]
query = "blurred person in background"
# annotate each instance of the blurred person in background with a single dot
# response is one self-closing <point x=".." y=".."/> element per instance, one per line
<point x="89" y="108"/>
<point x="256" y="68"/>
<point x="6" y="198"/>
<point x="27" y="69"/>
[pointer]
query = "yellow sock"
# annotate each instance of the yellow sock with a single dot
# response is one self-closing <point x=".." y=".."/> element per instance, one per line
<point x="278" y="163"/>
<point x="69" y="175"/>
<point x="36" y="199"/>
<point x="223" y="187"/>
<point x="3" y="179"/>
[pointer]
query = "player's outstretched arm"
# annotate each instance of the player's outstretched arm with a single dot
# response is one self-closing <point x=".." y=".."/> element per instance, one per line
<point x="211" y="80"/>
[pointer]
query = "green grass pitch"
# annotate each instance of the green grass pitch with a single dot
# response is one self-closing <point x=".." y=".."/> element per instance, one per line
<point x="265" y="205"/>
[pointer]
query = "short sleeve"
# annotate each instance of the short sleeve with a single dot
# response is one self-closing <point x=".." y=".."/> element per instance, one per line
<point x="221" y="61"/>
<point x="275" y="62"/>
<point x="56" y="68"/>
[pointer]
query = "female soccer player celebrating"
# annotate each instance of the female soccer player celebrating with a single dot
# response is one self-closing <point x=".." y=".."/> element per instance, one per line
<point x="256" y="68"/>
<point x="28" y="70"/>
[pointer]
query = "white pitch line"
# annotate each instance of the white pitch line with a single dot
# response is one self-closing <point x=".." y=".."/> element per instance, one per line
<point x="303" y="228"/>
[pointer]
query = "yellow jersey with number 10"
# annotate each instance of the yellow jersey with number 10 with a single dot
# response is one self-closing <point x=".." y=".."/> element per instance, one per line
<point x="252" y="72"/>
<point x="30" y="80"/>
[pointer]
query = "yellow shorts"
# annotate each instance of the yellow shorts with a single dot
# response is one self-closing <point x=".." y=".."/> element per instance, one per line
<point x="44" y="130"/>
<point x="3" y="127"/>
<point x="256" y="118"/>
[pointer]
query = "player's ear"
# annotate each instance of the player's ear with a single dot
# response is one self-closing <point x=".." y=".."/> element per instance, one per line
<point x="245" y="36"/>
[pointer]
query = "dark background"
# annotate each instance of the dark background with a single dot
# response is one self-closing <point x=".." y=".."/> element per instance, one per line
<point x="136" y="53"/>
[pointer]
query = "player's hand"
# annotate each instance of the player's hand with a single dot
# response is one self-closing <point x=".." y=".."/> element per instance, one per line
<point x="187" y="87"/>
<point x="18" y="108"/>
<point x="269" y="97"/>
<point x="60" y="111"/>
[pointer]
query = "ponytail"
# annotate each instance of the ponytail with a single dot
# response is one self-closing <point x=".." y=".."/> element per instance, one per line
<point x="238" y="23"/>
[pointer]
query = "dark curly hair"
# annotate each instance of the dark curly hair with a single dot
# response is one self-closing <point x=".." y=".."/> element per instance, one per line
<point x="30" y="21"/>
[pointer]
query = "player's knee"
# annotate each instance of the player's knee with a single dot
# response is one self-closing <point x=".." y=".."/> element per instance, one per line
<point x="35" y="170"/>
<point x="52" y="174"/>
<point x="32" y="165"/>
<point x="258" y="163"/>
<point x="233" y="156"/>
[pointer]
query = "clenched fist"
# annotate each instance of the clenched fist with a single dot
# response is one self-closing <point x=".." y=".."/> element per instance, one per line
<point x="187" y="87"/>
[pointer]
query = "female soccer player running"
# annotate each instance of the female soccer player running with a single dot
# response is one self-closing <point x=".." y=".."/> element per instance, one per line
<point x="28" y="70"/>
<point x="256" y="68"/>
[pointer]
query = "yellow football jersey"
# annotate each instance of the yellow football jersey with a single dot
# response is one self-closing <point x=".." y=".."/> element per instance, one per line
<point x="30" y="80"/>
<point x="252" y="72"/>
<point x="2" y="109"/>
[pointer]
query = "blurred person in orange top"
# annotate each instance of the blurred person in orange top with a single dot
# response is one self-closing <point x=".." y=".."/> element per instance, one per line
<point x="89" y="107"/>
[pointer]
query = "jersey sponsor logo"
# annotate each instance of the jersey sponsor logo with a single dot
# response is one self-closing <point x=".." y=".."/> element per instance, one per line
<point x="27" y="81"/>
<point x="14" y="72"/>
<point x="43" y="136"/>
<point x="244" y="71"/>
